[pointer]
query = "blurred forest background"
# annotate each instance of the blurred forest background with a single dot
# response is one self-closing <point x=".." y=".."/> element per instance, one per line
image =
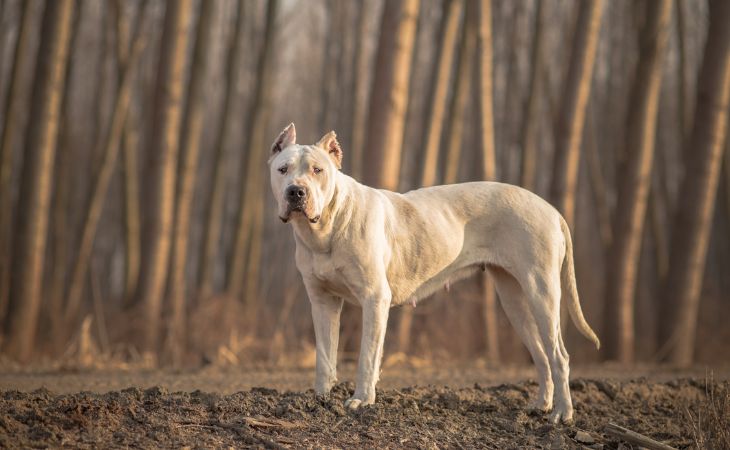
<point x="136" y="219"/>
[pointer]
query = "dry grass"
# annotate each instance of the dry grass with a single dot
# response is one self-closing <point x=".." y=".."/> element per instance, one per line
<point x="84" y="353"/>
<point x="710" y="417"/>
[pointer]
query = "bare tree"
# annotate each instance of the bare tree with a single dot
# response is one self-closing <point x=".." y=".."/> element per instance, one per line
<point x="489" y="163"/>
<point x="132" y="214"/>
<point x="359" y="93"/>
<point x="726" y="175"/>
<point x="684" y="111"/>
<point x="243" y="270"/>
<point x="102" y="180"/>
<point x="388" y="104"/>
<point x="192" y="132"/>
<point x="35" y="193"/>
<point x="59" y="234"/>
<point x="577" y="89"/>
<point x="439" y="90"/>
<point x="168" y="118"/>
<point x="333" y="79"/>
<point x="459" y="102"/>
<point x="486" y="90"/>
<point x="11" y="126"/>
<point x="698" y="191"/>
<point x="126" y="28"/>
<point x="432" y="140"/>
<point x="389" y="98"/>
<point x="598" y="183"/>
<point x="530" y="114"/>
<point x="633" y="192"/>
<point x="214" y="213"/>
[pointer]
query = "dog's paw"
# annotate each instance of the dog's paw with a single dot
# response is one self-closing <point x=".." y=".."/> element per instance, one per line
<point x="561" y="414"/>
<point x="540" y="405"/>
<point x="353" y="403"/>
<point x="356" y="402"/>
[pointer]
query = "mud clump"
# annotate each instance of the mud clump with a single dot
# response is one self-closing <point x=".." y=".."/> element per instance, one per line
<point x="413" y="417"/>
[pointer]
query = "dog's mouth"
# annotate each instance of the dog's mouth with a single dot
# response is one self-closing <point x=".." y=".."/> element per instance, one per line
<point x="298" y="209"/>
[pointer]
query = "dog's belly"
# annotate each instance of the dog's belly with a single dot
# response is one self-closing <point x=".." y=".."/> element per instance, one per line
<point x="411" y="290"/>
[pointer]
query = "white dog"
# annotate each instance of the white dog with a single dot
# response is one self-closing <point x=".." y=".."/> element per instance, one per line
<point x="380" y="249"/>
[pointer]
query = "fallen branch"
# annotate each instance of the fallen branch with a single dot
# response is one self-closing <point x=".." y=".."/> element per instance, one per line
<point x="635" y="438"/>
<point x="263" y="422"/>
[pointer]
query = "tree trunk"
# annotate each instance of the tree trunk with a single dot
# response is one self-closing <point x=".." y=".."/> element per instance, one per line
<point x="389" y="97"/>
<point x="439" y="90"/>
<point x="132" y="220"/>
<point x="485" y="91"/>
<point x="658" y="210"/>
<point x="456" y="118"/>
<point x="60" y="235"/>
<point x="572" y="111"/>
<point x="332" y="77"/>
<point x="598" y="185"/>
<point x="388" y="104"/>
<point x="244" y="267"/>
<point x="359" y="93"/>
<point x="35" y="193"/>
<point x="459" y="102"/>
<point x="130" y="167"/>
<point x="192" y="133"/>
<point x="101" y="184"/>
<point x="697" y="193"/>
<point x="683" y="96"/>
<point x="726" y="176"/>
<point x="633" y="192"/>
<point x="11" y="126"/>
<point x="489" y="163"/>
<point x="530" y="117"/>
<point x="216" y="202"/>
<point x="170" y="87"/>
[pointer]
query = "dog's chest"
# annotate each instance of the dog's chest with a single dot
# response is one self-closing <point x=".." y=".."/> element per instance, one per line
<point x="323" y="266"/>
<point x="329" y="274"/>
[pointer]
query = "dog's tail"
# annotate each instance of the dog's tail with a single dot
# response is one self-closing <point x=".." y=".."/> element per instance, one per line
<point x="570" y="291"/>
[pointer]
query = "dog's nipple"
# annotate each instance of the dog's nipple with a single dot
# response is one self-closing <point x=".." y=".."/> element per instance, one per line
<point x="447" y="286"/>
<point x="413" y="302"/>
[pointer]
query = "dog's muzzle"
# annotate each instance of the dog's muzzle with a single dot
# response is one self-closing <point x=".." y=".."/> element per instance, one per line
<point x="296" y="196"/>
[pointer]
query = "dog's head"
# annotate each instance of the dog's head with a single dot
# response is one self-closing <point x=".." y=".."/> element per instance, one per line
<point x="303" y="176"/>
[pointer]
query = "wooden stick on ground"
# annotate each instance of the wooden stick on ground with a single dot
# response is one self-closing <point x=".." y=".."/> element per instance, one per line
<point x="635" y="438"/>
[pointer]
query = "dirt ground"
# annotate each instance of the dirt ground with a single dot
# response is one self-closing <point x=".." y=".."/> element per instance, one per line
<point x="452" y="406"/>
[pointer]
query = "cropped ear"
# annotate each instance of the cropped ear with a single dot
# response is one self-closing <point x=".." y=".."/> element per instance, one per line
<point x="330" y="145"/>
<point x="287" y="137"/>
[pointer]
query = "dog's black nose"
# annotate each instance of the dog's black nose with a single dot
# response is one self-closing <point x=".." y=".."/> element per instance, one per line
<point x="295" y="193"/>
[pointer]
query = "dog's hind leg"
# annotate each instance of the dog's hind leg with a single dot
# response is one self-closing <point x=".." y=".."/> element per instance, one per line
<point x="520" y="316"/>
<point x="544" y="302"/>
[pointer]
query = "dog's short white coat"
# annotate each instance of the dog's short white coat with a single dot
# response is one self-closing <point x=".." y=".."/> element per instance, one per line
<point x="380" y="249"/>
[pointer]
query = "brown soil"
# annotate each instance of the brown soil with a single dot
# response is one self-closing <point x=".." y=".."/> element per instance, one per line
<point x="424" y="417"/>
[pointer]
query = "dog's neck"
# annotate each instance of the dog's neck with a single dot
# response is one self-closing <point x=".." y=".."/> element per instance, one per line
<point x="317" y="237"/>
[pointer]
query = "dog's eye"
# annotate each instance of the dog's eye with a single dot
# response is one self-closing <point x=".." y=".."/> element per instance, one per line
<point x="282" y="170"/>
<point x="317" y="170"/>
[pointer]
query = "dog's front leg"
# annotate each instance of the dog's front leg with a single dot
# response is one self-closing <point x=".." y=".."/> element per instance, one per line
<point x="374" y="322"/>
<point x="326" y="314"/>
